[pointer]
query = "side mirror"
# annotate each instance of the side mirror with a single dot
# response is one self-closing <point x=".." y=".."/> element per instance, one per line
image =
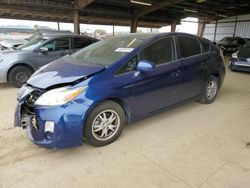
<point x="145" y="66"/>
<point x="43" y="50"/>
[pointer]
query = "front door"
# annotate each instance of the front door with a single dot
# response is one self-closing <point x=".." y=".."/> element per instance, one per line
<point x="56" y="49"/>
<point x="159" y="87"/>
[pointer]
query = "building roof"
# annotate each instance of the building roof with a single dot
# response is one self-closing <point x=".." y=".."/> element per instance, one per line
<point x="120" y="12"/>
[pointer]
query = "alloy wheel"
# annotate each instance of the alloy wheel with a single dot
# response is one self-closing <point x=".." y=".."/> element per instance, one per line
<point x="21" y="77"/>
<point x="211" y="90"/>
<point x="105" y="125"/>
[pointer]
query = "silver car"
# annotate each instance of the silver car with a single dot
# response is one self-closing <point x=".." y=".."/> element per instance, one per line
<point x="16" y="66"/>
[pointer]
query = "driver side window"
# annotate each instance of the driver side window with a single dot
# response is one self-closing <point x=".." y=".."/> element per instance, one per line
<point x="58" y="44"/>
<point x="159" y="52"/>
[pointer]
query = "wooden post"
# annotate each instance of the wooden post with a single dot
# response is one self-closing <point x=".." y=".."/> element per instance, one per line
<point x="173" y="26"/>
<point x="133" y="24"/>
<point x="201" y="26"/>
<point x="76" y="22"/>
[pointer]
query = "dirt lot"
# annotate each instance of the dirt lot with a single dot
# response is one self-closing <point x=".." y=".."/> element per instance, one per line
<point x="191" y="146"/>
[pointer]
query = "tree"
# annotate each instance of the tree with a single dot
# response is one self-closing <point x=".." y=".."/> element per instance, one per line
<point x="37" y="27"/>
<point x="100" y="32"/>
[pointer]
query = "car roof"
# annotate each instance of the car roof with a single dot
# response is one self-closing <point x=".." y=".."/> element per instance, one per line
<point x="47" y="31"/>
<point x="153" y="35"/>
<point x="54" y="36"/>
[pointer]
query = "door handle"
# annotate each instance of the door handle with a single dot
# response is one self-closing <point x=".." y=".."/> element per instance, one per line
<point x="176" y="74"/>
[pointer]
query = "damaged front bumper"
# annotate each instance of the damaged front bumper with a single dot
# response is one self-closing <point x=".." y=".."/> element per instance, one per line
<point x="50" y="126"/>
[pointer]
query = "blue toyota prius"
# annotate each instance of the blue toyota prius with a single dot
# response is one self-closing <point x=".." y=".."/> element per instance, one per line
<point x="91" y="94"/>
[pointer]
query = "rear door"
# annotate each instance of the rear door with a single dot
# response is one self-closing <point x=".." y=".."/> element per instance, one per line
<point x="56" y="48"/>
<point x="194" y="65"/>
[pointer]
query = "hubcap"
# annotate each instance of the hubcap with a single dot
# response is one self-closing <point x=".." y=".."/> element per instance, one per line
<point x="21" y="77"/>
<point x="105" y="125"/>
<point x="211" y="90"/>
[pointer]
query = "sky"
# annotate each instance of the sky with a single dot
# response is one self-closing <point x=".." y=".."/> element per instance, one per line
<point x="186" y="26"/>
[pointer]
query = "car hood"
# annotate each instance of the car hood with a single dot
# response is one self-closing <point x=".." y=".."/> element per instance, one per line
<point x="63" y="71"/>
<point x="12" y="52"/>
<point x="10" y="56"/>
<point x="11" y="42"/>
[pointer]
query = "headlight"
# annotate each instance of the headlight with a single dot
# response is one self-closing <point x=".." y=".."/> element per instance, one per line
<point x="59" y="96"/>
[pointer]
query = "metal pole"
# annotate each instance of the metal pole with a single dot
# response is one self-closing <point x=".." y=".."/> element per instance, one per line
<point x="76" y="22"/>
<point x="235" y="26"/>
<point x="58" y="26"/>
<point x="215" y="29"/>
<point x="113" y="30"/>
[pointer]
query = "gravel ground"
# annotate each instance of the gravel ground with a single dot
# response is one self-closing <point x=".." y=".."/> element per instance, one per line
<point x="193" y="145"/>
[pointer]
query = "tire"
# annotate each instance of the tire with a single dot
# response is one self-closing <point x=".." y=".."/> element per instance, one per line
<point x="209" y="91"/>
<point x="19" y="75"/>
<point x="99" y="129"/>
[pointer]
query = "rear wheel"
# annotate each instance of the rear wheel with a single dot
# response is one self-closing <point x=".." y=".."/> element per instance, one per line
<point x="104" y="124"/>
<point x="19" y="75"/>
<point x="209" y="91"/>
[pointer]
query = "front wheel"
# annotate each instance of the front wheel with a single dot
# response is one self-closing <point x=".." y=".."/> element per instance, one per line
<point x="19" y="75"/>
<point x="104" y="124"/>
<point x="209" y="91"/>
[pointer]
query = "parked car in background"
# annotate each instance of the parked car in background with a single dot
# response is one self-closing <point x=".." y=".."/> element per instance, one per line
<point x="47" y="32"/>
<point x="12" y="44"/>
<point x="9" y="44"/>
<point x="240" y="60"/>
<point x="230" y="45"/>
<point x="16" y="66"/>
<point x="92" y="93"/>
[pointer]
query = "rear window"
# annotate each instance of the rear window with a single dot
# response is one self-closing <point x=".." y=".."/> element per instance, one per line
<point x="80" y="42"/>
<point x="188" y="46"/>
<point x="247" y="45"/>
<point x="241" y="41"/>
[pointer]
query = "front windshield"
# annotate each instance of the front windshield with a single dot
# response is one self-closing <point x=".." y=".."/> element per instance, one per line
<point x="32" y="44"/>
<point x="229" y="40"/>
<point x="37" y="34"/>
<point x="247" y="45"/>
<point x="108" y="51"/>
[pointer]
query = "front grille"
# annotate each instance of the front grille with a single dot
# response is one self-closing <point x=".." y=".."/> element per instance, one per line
<point x="30" y="101"/>
<point x="28" y="111"/>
